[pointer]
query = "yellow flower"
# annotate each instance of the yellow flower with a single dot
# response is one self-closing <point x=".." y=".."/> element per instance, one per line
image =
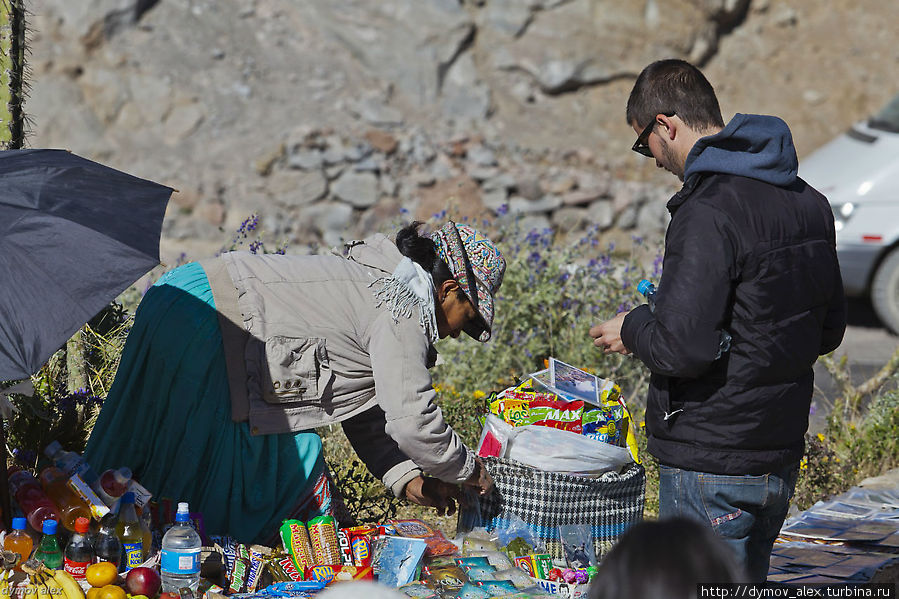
<point x="479" y="394"/>
<point x="642" y="424"/>
<point x="436" y="388"/>
<point x="820" y="437"/>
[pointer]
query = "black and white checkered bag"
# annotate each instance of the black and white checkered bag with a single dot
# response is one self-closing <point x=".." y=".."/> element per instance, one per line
<point x="545" y="500"/>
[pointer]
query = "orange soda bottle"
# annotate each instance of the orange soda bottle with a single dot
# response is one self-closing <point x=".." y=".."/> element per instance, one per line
<point x="71" y="506"/>
<point x="19" y="541"/>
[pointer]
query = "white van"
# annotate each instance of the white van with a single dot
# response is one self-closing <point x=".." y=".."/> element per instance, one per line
<point x="859" y="173"/>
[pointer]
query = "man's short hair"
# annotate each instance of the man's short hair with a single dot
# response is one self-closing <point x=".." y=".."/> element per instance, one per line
<point x="674" y="86"/>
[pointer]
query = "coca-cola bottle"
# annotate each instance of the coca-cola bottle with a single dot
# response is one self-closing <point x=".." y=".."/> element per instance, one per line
<point x="79" y="553"/>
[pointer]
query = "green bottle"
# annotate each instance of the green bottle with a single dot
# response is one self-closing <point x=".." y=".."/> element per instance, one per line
<point x="48" y="550"/>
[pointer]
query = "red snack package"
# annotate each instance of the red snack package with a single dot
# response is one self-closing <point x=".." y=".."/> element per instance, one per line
<point x="346" y="552"/>
<point x="565" y="415"/>
<point x="416" y="529"/>
<point x="338" y="573"/>
<point x="360" y="544"/>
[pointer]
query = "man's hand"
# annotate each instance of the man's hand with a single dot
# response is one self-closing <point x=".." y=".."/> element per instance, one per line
<point x="433" y="492"/>
<point x="607" y="335"/>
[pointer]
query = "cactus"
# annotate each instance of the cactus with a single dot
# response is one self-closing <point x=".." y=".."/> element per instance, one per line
<point x="12" y="74"/>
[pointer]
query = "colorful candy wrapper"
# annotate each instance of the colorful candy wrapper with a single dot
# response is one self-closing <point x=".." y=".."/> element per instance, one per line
<point x="237" y="576"/>
<point x="536" y="565"/>
<point x="288" y="566"/>
<point x="330" y="574"/>
<point x="346" y="552"/>
<point x="258" y="553"/>
<point x="554" y="413"/>
<point x="360" y="544"/>
<point x="295" y="539"/>
<point x="416" y="529"/>
<point x="498" y="588"/>
<point x="472" y="562"/>
<point x="228" y="548"/>
<point x="446" y="581"/>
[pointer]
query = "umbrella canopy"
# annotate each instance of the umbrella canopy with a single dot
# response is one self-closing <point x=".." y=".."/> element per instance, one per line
<point x="74" y="234"/>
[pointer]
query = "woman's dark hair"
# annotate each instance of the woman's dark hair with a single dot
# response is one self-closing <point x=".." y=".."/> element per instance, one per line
<point x="674" y="86"/>
<point x="665" y="559"/>
<point x="422" y="250"/>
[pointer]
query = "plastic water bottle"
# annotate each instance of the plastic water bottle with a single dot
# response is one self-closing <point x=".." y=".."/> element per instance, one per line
<point x="180" y="560"/>
<point x="107" y="546"/>
<point x="649" y="292"/>
<point x="71" y="463"/>
<point x="49" y="551"/>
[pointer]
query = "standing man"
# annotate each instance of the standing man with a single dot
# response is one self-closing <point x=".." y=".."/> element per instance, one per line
<point x="749" y="252"/>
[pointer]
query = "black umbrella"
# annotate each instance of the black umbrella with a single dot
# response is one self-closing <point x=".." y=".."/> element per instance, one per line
<point x="74" y="234"/>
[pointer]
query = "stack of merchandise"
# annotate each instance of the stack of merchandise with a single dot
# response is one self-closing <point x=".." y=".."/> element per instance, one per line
<point x="580" y="417"/>
<point x="408" y="555"/>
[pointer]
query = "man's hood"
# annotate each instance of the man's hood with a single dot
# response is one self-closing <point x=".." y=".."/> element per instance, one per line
<point x="751" y="145"/>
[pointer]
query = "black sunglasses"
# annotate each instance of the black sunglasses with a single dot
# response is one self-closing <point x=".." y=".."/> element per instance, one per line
<point x="641" y="146"/>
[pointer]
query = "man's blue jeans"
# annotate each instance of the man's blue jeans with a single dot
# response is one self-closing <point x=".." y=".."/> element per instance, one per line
<point x="746" y="511"/>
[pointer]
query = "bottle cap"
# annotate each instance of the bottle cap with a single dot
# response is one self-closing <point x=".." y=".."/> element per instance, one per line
<point x="127" y="497"/>
<point x="51" y="449"/>
<point x="183" y="513"/>
<point x="644" y="286"/>
<point x="49" y="527"/>
<point x="19" y="523"/>
<point x="82" y="525"/>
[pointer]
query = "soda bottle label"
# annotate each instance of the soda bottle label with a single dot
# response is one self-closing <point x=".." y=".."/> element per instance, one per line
<point x="76" y="569"/>
<point x="132" y="552"/>
<point x="185" y="561"/>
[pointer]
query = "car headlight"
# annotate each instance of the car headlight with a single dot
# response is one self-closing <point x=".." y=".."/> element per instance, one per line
<point x="841" y="214"/>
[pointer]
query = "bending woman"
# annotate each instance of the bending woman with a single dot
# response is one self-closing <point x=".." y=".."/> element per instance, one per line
<point x="232" y="362"/>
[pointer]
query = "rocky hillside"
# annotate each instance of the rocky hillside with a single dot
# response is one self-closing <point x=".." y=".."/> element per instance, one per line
<point x="332" y="118"/>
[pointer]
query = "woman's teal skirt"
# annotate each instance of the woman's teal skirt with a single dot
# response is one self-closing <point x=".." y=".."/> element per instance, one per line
<point x="168" y="417"/>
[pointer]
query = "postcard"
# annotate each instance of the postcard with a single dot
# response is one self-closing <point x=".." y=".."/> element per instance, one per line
<point x="574" y="381"/>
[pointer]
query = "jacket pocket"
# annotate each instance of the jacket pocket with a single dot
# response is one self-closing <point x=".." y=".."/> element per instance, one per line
<point x="299" y="369"/>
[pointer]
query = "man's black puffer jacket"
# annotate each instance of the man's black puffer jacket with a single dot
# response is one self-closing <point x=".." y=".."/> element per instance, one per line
<point x="750" y="249"/>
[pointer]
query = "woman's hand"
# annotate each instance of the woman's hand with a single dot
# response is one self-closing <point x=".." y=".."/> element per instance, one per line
<point x="480" y="478"/>
<point x="433" y="492"/>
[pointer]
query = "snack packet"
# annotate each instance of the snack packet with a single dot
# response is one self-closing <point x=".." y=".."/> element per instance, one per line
<point x="555" y="413"/>
<point x="416" y="529"/>
<point x="295" y="538"/>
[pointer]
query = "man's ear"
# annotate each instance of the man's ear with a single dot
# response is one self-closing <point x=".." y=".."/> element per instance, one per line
<point x="668" y="124"/>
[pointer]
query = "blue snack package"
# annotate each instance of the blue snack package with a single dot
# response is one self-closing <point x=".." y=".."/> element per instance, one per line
<point x="498" y="588"/>
<point x="473" y="562"/>
<point x="471" y="591"/>
<point x="476" y="573"/>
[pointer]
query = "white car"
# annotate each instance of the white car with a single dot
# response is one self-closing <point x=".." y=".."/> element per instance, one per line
<point x="859" y="173"/>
